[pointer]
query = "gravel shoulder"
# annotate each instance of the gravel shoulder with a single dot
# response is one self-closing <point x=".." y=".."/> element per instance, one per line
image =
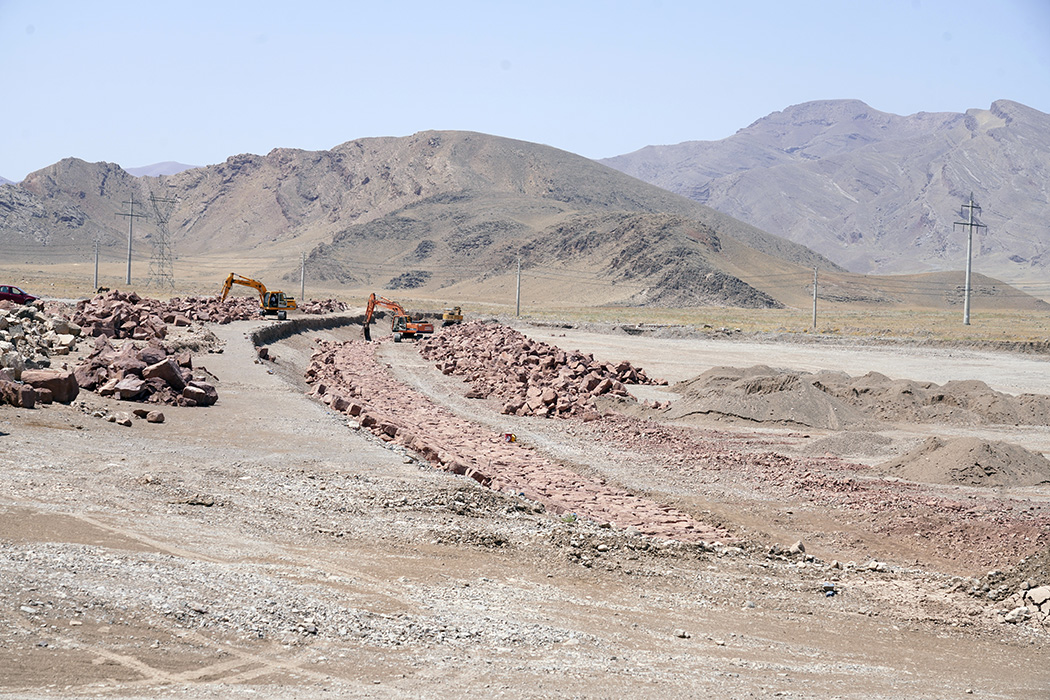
<point x="332" y="563"/>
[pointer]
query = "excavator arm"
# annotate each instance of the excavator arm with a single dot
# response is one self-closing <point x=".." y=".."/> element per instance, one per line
<point x="401" y="324"/>
<point x="234" y="278"/>
<point x="269" y="302"/>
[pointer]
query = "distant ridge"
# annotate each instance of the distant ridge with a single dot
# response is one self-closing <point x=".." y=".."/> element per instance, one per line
<point x="877" y="192"/>
<point x="168" y="167"/>
<point x="5" y="181"/>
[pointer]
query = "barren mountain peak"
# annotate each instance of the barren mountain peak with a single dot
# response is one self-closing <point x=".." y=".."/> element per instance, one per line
<point x="877" y="192"/>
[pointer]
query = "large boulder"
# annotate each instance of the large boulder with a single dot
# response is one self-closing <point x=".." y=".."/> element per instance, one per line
<point x="129" y="388"/>
<point x="61" y="383"/>
<point x="168" y="371"/>
<point x="15" y="394"/>
<point x="200" y="393"/>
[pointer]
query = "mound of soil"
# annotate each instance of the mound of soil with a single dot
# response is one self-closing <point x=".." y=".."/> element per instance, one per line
<point x="850" y="443"/>
<point x="837" y="401"/>
<point x="971" y="462"/>
<point x="764" y="395"/>
<point x="969" y="402"/>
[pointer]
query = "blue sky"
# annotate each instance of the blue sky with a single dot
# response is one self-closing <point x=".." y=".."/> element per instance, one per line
<point x="138" y="83"/>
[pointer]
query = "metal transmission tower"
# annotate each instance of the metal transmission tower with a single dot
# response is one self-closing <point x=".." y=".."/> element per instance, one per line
<point x="971" y="223"/>
<point x="160" y="265"/>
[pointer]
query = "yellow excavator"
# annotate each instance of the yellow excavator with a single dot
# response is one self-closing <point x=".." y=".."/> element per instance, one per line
<point x="452" y="316"/>
<point x="269" y="302"/>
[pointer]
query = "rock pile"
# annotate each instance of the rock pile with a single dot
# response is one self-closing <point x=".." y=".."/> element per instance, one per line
<point x="323" y="306"/>
<point x="116" y="314"/>
<point x="347" y="377"/>
<point x="1032" y="603"/>
<point x="530" y="378"/>
<point x="29" y="338"/>
<point x="146" y="373"/>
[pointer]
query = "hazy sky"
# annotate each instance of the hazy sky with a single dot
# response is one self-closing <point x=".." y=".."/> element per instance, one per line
<point x="138" y="83"/>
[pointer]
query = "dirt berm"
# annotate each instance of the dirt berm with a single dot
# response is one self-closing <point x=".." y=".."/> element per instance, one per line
<point x="970" y="461"/>
<point x="837" y="401"/>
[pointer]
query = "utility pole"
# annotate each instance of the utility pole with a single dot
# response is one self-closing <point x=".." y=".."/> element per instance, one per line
<point x="131" y="226"/>
<point x="517" y="296"/>
<point x="814" y="298"/>
<point x="160" y="265"/>
<point x="971" y="223"/>
<point x="302" y="278"/>
<point x="96" y="265"/>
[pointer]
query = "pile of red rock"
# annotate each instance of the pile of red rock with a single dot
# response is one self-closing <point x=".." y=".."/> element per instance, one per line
<point x="146" y="374"/>
<point x="323" y="306"/>
<point x="211" y="310"/>
<point x="115" y="314"/>
<point x="530" y="378"/>
<point x="347" y="377"/>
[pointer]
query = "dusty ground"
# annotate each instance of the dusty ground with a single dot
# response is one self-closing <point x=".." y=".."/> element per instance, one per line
<point x="331" y="565"/>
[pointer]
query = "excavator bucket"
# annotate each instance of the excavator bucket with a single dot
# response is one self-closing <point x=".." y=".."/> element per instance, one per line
<point x="368" y="333"/>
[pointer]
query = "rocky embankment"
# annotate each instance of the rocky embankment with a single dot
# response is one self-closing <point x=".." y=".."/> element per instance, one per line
<point x="347" y="377"/>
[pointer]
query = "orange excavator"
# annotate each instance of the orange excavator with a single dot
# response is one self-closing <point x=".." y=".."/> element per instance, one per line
<point x="269" y="302"/>
<point x="401" y="325"/>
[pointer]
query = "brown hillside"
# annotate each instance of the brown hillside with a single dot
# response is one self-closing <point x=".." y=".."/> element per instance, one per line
<point x="445" y="214"/>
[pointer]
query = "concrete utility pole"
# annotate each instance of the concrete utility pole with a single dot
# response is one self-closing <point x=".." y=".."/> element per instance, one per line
<point x="96" y="266"/>
<point x="302" y="278"/>
<point x="814" y="298"/>
<point x="971" y="223"/>
<point x="131" y="226"/>
<point x="517" y="295"/>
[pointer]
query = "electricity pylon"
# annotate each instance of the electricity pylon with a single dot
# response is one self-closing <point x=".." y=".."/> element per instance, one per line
<point x="160" y="265"/>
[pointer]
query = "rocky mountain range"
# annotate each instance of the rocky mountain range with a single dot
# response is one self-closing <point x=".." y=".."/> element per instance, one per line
<point x="426" y="212"/>
<point x="445" y="214"/>
<point x="877" y="192"/>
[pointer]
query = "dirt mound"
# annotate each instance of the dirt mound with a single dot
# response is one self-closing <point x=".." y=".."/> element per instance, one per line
<point x="850" y="443"/>
<point x="968" y="402"/>
<point x="764" y="395"/>
<point x="837" y="401"/>
<point x="971" y="462"/>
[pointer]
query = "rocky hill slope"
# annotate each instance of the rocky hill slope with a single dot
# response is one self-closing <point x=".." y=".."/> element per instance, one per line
<point x="447" y="215"/>
<point x="433" y="210"/>
<point x="877" y="192"/>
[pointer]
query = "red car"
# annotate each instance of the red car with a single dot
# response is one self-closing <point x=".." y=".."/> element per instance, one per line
<point x="8" y="293"/>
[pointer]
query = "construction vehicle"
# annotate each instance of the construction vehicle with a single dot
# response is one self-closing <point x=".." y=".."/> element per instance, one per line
<point x="401" y="325"/>
<point x="269" y="302"/>
<point x="452" y="315"/>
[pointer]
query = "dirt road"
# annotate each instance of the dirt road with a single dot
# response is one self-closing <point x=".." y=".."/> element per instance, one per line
<point x="263" y="548"/>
